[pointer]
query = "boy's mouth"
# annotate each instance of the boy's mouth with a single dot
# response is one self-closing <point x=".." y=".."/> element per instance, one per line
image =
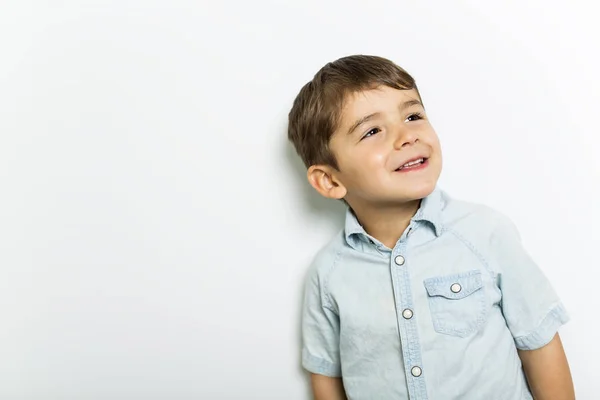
<point x="417" y="163"/>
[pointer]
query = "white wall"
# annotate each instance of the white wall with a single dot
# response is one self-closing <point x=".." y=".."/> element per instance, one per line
<point x="155" y="225"/>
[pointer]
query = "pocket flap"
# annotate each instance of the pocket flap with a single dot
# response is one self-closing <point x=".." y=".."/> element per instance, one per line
<point x="456" y="286"/>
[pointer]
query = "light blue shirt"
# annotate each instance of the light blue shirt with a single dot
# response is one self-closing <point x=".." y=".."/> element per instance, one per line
<point x="440" y="316"/>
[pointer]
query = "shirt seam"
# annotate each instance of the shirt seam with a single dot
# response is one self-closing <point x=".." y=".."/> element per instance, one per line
<point x="327" y="302"/>
<point x="473" y="250"/>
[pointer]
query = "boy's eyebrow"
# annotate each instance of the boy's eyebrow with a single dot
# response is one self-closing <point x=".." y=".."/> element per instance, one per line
<point x="410" y="103"/>
<point x="360" y="121"/>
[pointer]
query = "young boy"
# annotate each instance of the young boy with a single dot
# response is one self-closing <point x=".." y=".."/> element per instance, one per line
<point x="420" y="296"/>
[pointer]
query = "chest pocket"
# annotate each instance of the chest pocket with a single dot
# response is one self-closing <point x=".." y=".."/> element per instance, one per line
<point x="457" y="303"/>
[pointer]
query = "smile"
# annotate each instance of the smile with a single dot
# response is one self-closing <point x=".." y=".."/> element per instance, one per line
<point x="413" y="165"/>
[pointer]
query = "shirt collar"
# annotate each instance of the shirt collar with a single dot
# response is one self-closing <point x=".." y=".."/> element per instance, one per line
<point x="430" y="211"/>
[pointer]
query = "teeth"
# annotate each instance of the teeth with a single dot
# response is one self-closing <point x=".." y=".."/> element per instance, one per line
<point x="410" y="164"/>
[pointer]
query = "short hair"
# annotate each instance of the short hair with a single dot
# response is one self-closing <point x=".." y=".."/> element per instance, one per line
<point x="316" y="111"/>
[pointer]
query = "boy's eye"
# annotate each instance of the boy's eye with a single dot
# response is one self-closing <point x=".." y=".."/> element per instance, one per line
<point x="414" y="117"/>
<point x="371" y="132"/>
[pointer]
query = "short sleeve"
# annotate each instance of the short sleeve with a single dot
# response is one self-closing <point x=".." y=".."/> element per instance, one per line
<point x="320" y="329"/>
<point x="531" y="307"/>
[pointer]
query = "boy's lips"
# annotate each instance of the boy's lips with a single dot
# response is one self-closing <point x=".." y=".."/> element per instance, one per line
<point x="413" y="164"/>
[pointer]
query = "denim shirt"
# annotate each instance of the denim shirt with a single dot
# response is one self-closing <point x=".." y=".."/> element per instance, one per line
<point x="439" y="316"/>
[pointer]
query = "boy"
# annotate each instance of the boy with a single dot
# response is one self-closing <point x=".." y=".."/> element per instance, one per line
<point x="420" y="296"/>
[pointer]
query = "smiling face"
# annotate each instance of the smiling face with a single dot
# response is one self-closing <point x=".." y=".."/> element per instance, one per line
<point x="386" y="149"/>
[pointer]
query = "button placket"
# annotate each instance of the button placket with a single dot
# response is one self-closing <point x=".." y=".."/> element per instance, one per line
<point x="409" y="336"/>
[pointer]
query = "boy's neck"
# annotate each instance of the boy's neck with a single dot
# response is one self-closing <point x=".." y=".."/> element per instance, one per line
<point x="387" y="224"/>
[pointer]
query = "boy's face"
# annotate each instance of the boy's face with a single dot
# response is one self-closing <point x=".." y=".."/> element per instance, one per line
<point x="387" y="151"/>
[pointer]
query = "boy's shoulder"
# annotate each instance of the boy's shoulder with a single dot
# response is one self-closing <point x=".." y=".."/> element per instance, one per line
<point x="458" y="211"/>
<point x="477" y="222"/>
<point x="327" y="256"/>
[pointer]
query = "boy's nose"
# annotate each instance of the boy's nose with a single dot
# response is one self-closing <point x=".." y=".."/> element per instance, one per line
<point x="405" y="138"/>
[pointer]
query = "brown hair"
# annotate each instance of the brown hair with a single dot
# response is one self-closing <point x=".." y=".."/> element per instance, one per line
<point x="315" y="114"/>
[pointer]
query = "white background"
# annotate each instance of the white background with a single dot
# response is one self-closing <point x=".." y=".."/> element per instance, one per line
<point x="155" y="225"/>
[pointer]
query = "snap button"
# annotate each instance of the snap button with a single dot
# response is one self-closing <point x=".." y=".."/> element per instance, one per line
<point x="399" y="260"/>
<point x="416" y="371"/>
<point x="456" y="288"/>
<point x="407" y="313"/>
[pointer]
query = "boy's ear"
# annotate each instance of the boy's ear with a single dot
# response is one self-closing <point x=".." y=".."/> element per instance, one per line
<point x="323" y="179"/>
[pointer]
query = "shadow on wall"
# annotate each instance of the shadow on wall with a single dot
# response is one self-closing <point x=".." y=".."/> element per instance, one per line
<point x="313" y="203"/>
